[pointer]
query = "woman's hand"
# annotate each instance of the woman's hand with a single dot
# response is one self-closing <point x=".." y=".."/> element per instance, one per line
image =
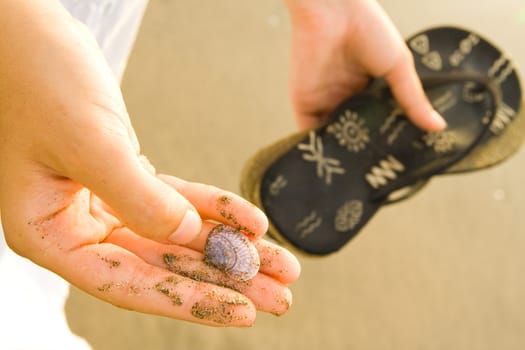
<point x="336" y="46"/>
<point x="78" y="198"/>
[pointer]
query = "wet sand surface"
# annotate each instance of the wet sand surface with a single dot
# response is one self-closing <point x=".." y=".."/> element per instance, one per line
<point x="206" y="87"/>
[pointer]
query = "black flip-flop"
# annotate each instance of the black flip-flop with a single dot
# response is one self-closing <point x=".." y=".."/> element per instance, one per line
<point x="320" y="187"/>
<point x="451" y="49"/>
<point x="444" y="50"/>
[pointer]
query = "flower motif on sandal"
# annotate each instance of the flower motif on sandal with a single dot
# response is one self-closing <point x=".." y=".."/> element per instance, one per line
<point x="441" y="142"/>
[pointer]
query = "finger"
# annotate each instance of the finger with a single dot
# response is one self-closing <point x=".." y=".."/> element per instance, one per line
<point x="215" y="204"/>
<point x="276" y="261"/>
<point x="123" y="279"/>
<point x="409" y="93"/>
<point x="267" y="294"/>
<point x="116" y="173"/>
<point x="308" y="121"/>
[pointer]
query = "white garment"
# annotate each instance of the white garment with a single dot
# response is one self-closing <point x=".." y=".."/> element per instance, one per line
<point x="114" y="23"/>
<point x="32" y="307"/>
<point x="32" y="298"/>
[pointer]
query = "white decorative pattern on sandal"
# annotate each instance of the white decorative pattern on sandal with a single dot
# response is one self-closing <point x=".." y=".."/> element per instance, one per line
<point x="500" y="69"/>
<point x="471" y="93"/>
<point x="464" y="49"/>
<point x="420" y="44"/>
<point x="386" y="169"/>
<point x="504" y="116"/>
<point x="314" y="153"/>
<point x="277" y="185"/>
<point x="441" y="142"/>
<point x="348" y="215"/>
<point x="309" y="224"/>
<point x="432" y="60"/>
<point x="350" y="131"/>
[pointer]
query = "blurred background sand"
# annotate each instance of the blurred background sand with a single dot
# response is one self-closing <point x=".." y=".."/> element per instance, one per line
<point x="206" y="87"/>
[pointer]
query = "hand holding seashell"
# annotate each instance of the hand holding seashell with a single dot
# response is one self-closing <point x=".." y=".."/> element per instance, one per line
<point x="78" y="198"/>
<point x="223" y="276"/>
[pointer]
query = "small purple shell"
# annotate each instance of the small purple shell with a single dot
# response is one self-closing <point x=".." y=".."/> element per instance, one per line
<point x="232" y="252"/>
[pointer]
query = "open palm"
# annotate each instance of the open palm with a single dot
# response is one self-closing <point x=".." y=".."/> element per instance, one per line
<point x="78" y="198"/>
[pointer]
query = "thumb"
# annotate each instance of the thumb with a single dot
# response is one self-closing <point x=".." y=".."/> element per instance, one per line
<point x="114" y="172"/>
<point x="408" y="91"/>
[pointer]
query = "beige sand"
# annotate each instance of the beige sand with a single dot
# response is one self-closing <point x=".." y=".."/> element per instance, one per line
<point x="443" y="270"/>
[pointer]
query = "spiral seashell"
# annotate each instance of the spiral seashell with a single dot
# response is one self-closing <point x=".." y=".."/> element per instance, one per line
<point x="232" y="252"/>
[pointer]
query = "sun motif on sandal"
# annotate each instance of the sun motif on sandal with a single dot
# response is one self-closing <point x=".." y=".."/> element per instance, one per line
<point x="350" y="131"/>
<point x="441" y="142"/>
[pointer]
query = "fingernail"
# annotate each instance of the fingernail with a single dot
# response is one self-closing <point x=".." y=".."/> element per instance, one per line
<point x="439" y="121"/>
<point x="188" y="229"/>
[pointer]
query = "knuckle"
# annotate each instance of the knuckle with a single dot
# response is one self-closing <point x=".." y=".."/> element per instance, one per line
<point x="160" y="216"/>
